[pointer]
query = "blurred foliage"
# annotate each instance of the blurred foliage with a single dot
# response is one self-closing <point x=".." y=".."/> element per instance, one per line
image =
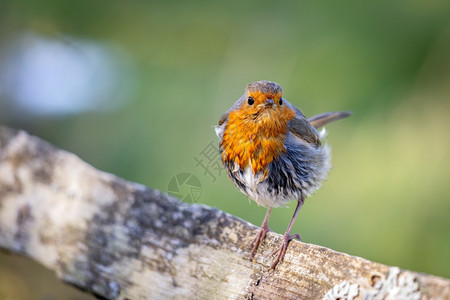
<point x="387" y="197"/>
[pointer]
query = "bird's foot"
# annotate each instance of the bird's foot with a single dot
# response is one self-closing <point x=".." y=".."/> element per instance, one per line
<point x="259" y="239"/>
<point x="282" y="250"/>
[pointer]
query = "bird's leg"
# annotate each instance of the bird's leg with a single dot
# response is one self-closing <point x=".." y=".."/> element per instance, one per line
<point x="262" y="233"/>
<point x="287" y="237"/>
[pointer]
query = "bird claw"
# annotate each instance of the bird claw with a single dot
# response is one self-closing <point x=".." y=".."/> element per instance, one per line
<point x="282" y="250"/>
<point x="259" y="239"/>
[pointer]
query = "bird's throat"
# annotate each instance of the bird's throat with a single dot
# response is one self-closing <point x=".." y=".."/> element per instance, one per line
<point x="253" y="141"/>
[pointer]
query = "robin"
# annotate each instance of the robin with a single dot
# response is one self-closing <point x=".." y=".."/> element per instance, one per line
<point x="273" y="153"/>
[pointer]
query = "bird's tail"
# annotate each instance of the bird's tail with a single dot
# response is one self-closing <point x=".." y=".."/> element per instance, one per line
<point x="323" y="119"/>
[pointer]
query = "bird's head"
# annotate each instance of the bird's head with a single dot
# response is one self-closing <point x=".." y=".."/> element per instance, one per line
<point x="263" y="102"/>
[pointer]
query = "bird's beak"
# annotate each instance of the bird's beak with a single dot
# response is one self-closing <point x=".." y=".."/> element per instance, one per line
<point x="268" y="102"/>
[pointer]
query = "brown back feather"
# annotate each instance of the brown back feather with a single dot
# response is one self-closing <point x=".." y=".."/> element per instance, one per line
<point x="303" y="129"/>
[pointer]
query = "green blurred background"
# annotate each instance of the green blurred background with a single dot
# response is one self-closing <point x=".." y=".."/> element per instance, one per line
<point x="135" y="88"/>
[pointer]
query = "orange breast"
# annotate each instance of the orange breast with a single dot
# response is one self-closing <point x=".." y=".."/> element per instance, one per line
<point x="255" y="141"/>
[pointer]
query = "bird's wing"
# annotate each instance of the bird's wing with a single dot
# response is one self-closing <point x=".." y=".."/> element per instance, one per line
<point x="223" y="118"/>
<point x="301" y="128"/>
<point x="323" y="119"/>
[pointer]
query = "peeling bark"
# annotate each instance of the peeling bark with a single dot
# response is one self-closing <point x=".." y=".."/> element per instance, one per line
<point x="122" y="240"/>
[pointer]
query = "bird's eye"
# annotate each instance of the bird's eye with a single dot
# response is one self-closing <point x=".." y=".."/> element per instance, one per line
<point x="281" y="101"/>
<point x="250" y="101"/>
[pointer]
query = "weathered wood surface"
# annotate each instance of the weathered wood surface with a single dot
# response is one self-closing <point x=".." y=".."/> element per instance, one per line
<point x="121" y="240"/>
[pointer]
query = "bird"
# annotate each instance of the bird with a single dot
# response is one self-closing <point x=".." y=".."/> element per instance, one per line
<point x="273" y="153"/>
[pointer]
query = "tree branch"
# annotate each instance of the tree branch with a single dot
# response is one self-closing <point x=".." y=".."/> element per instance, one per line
<point x="121" y="240"/>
